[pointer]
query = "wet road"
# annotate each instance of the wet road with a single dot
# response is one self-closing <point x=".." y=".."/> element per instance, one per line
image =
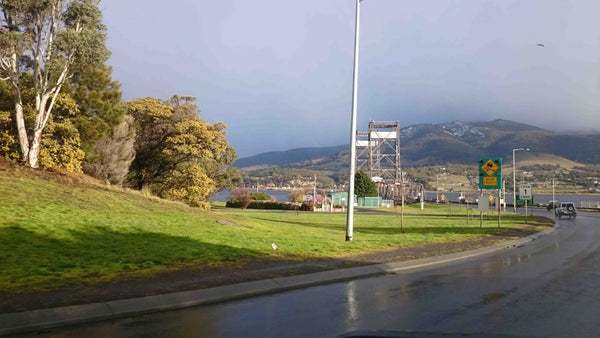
<point x="550" y="287"/>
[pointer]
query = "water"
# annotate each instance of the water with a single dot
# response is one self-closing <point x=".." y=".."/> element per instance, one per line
<point x="283" y="196"/>
<point x="278" y="195"/>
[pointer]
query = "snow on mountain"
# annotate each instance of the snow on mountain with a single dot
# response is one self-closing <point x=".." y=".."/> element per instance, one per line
<point x="462" y="130"/>
<point x="459" y="129"/>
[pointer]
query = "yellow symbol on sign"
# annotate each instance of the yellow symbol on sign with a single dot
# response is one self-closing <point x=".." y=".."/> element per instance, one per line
<point x="489" y="167"/>
<point x="491" y="181"/>
<point x="491" y="198"/>
<point x="443" y="197"/>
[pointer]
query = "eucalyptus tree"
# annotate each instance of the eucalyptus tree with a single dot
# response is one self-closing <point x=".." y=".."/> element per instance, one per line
<point x="178" y="155"/>
<point x="45" y="39"/>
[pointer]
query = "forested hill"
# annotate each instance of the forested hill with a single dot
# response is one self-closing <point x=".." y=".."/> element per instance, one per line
<point x="454" y="142"/>
<point x="297" y="156"/>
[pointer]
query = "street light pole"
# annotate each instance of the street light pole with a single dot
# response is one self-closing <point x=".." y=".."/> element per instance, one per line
<point x="315" y="194"/>
<point x="515" y="179"/>
<point x="350" y="215"/>
<point x="553" y="198"/>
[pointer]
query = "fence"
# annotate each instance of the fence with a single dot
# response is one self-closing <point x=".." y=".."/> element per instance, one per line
<point x="590" y="204"/>
<point x="387" y="203"/>
<point x="369" y="202"/>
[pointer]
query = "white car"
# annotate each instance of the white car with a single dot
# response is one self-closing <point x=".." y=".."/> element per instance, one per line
<point x="566" y="209"/>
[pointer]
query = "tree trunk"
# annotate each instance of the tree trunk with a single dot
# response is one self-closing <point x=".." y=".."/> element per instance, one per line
<point x="18" y="100"/>
<point x="22" y="131"/>
<point x="38" y="128"/>
<point x="34" y="151"/>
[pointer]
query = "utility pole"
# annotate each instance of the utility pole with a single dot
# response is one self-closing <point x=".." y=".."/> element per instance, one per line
<point x="315" y="194"/>
<point x="499" y="208"/>
<point x="514" y="178"/>
<point x="504" y="194"/>
<point x="480" y="212"/>
<point x="526" y="202"/>
<point x="402" y="203"/>
<point x="422" y="196"/>
<point x="437" y="189"/>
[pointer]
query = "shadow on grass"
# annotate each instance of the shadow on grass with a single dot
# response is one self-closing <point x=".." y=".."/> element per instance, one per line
<point x="40" y="271"/>
<point x="29" y="259"/>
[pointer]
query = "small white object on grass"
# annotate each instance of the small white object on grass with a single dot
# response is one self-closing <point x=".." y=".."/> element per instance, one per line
<point x="274" y="246"/>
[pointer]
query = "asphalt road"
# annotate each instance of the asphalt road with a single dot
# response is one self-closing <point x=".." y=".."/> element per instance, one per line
<point x="550" y="287"/>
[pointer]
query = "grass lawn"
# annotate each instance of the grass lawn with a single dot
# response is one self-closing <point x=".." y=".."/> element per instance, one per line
<point x="438" y="209"/>
<point x="58" y="229"/>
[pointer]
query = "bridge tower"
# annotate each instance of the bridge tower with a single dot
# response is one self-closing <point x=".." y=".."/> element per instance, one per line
<point x="383" y="148"/>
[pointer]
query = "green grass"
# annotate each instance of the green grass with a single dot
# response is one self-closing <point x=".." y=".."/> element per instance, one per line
<point x="437" y="209"/>
<point x="57" y="230"/>
<point x="321" y="235"/>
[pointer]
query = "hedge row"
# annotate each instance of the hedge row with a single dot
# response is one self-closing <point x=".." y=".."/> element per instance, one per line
<point x="271" y="205"/>
<point x="260" y="196"/>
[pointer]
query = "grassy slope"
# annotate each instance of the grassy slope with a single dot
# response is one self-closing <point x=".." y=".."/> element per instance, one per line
<point x="59" y="229"/>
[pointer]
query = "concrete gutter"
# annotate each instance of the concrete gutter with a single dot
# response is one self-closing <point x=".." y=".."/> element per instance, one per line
<point x="19" y="322"/>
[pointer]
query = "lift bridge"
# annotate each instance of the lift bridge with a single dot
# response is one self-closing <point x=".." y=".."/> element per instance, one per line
<point x="378" y="151"/>
<point x="378" y="154"/>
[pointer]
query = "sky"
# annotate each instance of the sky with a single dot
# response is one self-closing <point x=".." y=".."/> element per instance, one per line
<point x="279" y="72"/>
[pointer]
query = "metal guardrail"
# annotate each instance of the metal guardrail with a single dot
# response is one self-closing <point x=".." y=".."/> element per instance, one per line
<point x="590" y="204"/>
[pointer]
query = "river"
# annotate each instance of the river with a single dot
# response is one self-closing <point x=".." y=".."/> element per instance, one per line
<point x="581" y="200"/>
<point x="278" y="195"/>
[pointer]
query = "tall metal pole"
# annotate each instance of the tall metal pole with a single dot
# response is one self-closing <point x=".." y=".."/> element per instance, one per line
<point x="515" y="180"/>
<point x="504" y="193"/>
<point x="499" y="216"/>
<point x="402" y="202"/>
<point x="315" y="194"/>
<point x="514" y="183"/>
<point x="480" y="212"/>
<point x="350" y="215"/>
<point x="526" y="202"/>
<point x="437" y="198"/>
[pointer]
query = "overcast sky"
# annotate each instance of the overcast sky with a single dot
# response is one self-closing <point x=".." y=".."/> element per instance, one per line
<point x="279" y="72"/>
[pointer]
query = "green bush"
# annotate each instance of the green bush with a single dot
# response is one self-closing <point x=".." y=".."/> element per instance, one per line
<point x="270" y="205"/>
<point x="307" y="206"/>
<point x="233" y="204"/>
<point x="260" y="196"/>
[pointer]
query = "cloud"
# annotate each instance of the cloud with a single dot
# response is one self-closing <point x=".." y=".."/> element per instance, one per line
<point x="279" y="73"/>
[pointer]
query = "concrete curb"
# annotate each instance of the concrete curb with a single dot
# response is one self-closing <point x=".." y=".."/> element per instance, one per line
<point x="19" y="322"/>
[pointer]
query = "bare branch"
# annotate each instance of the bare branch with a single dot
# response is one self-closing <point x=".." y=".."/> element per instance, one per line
<point x="5" y="64"/>
<point x="55" y="91"/>
<point x="54" y="26"/>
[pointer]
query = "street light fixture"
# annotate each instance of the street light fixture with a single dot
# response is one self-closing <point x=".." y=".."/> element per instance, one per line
<point x="515" y="179"/>
<point x="350" y="215"/>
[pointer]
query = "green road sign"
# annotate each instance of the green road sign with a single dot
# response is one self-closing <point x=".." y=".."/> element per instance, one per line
<point x="521" y="203"/>
<point x="490" y="173"/>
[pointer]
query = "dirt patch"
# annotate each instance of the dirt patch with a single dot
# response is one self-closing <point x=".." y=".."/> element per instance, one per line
<point x="203" y="277"/>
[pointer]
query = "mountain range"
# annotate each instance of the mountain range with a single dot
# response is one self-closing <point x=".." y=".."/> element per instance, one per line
<point x="453" y="142"/>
